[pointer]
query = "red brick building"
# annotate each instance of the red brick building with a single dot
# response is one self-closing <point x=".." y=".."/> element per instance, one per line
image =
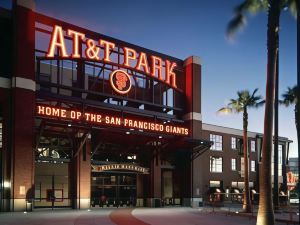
<point x="87" y="119"/>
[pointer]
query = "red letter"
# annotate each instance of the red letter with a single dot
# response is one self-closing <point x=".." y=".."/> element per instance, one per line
<point x="41" y="110"/>
<point x="57" y="40"/>
<point x="127" y="56"/>
<point x="142" y="62"/>
<point x="107" y="45"/>
<point x="156" y="66"/>
<point x="76" y="36"/>
<point x="170" y="73"/>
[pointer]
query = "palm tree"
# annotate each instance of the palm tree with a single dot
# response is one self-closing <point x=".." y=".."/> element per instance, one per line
<point x="241" y="105"/>
<point x="290" y="98"/>
<point x="273" y="7"/>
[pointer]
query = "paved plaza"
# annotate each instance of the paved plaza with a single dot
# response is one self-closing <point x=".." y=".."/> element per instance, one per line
<point x="129" y="216"/>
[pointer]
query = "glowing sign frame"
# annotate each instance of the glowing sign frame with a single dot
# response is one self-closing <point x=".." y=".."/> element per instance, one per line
<point x="116" y="89"/>
<point x="152" y="68"/>
<point x="108" y="120"/>
<point x="126" y="166"/>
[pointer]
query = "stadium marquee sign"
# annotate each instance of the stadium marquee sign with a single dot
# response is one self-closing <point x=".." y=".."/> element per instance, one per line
<point x="109" y="120"/>
<point x="100" y="50"/>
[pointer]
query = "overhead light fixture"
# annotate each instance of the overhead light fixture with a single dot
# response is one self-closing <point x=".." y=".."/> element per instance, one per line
<point x="69" y="125"/>
<point x="127" y="132"/>
<point x="160" y="137"/>
<point x="131" y="129"/>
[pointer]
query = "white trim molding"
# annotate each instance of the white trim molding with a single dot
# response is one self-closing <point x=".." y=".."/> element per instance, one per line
<point x="192" y="59"/>
<point x="20" y="82"/>
<point x="226" y="130"/>
<point x="193" y="116"/>
<point x="5" y="82"/>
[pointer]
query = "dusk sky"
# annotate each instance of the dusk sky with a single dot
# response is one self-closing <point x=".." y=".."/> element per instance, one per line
<point x="182" y="28"/>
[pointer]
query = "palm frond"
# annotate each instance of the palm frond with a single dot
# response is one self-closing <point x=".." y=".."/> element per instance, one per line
<point x="254" y="92"/>
<point x="225" y="110"/>
<point x="240" y="14"/>
<point x="260" y="104"/>
<point x="237" y="22"/>
<point x="290" y="96"/>
<point x="292" y="6"/>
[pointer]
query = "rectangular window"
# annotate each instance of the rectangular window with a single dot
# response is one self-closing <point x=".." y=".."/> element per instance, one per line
<point x="233" y="143"/>
<point x="252" y="144"/>
<point x="217" y="142"/>
<point x="280" y="154"/>
<point x="279" y="160"/>
<point x="233" y="164"/>
<point x="216" y="164"/>
<point x="214" y="183"/>
<point x="252" y="165"/>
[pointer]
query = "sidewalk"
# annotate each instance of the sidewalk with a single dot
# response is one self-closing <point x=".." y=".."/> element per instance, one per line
<point x="131" y="216"/>
<point x="281" y="215"/>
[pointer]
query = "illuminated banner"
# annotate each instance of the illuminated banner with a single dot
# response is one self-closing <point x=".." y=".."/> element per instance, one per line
<point x="130" y="167"/>
<point x="108" y="120"/>
<point x="100" y="50"/>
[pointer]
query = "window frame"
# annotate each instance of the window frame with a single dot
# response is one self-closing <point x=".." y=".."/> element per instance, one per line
<point x="216" y="145"/>
<point x="235" y="143"/>
<point x="253" y="149"/>
<point x="252" y="166"/>
<point x="213" y="167"/>
<point x="235" y="166"/>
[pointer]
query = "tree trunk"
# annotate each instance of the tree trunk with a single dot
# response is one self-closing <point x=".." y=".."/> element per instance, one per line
<point x="246" y="202"/>
<point x="297" y="116"/>
<point x="265" y="214"/>
<point x="275" y="188"/>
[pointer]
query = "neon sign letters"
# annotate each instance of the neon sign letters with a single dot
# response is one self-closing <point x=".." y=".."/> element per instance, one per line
<point x="120" y="81"/>
<point x="110" y="167"/>
<point x="108" y="120"/>
<point x="100" y="50"/>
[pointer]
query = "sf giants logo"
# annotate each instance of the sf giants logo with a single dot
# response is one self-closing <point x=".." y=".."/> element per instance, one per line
<point x="120" y="81"/>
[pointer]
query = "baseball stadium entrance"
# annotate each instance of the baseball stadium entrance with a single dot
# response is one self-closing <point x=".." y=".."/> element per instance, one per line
<point x="93" y="121"/>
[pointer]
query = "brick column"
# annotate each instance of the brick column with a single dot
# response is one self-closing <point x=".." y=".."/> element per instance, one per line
<point x="81" y="173"/>
<point x="155" y="179"/>
<point x="193" y="115"/>
<point x="5" y="106"/>
<point x="23" y="105"/>
<point x="193" y="119"/>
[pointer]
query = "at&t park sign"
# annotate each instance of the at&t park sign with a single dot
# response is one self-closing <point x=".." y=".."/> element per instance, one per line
<point x="100" y="50"/>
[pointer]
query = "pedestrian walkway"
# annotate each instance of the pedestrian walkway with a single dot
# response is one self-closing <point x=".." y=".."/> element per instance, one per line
<point x="125" y="217"/>
<point x="128" y="216"/>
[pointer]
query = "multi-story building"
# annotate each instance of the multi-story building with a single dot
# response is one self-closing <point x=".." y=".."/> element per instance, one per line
<point x="88" y="119"/>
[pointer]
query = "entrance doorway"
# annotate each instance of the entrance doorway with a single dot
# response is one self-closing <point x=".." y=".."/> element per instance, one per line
<point x="167" y="187"/>
<point x="113" y="189"/>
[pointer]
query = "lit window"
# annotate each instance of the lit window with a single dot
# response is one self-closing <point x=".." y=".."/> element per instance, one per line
<point x="233" y="164"/>
<point x="252" y="144"/>
<point x="216" y="164"/>
<point x="214" y="183"/>
<point x="252" y="165"/>
<point x="280" y="154"/>
<point x="233" y="143"/>
<point x="217" y="142"/>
